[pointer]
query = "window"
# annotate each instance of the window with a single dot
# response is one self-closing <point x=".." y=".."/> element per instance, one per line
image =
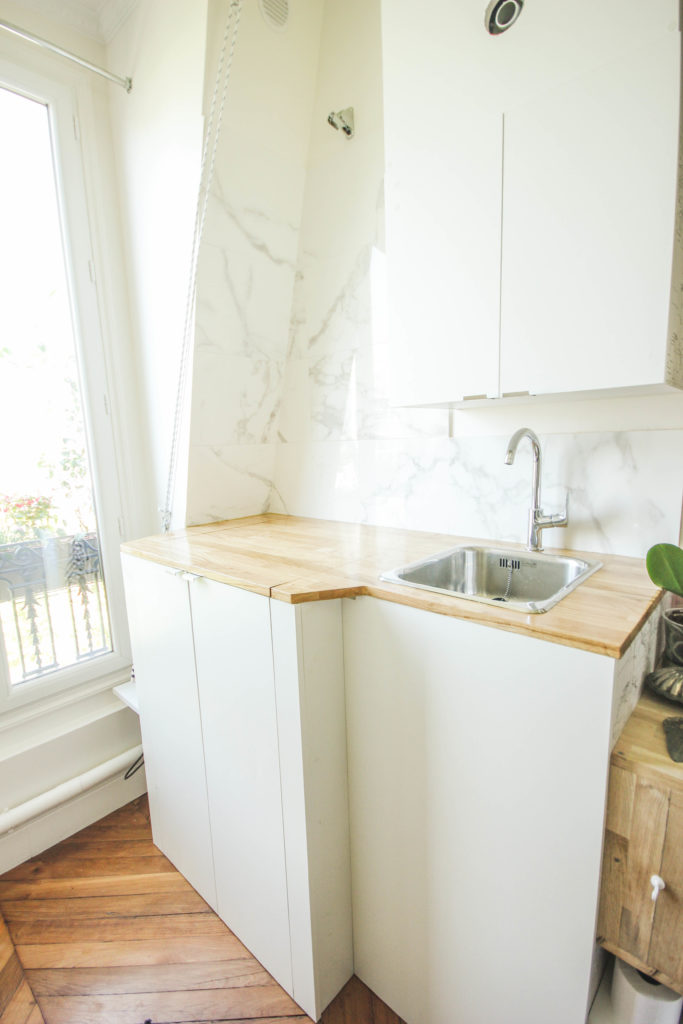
<point x="60" y="602"/>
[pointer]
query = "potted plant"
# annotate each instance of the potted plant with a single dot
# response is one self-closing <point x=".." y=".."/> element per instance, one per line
<point x="665" y="568"/>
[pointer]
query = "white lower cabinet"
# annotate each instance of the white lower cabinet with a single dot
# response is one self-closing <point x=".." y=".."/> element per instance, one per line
<point x="456" y="772"/>
<point x="477" y="773"/>
<point x="242" y="716"/>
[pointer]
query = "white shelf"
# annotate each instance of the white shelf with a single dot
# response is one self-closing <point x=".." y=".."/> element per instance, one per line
<point x="128" y="693"/>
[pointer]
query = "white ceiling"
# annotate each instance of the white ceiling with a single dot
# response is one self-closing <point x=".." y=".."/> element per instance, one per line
<point x="97" y="19"/>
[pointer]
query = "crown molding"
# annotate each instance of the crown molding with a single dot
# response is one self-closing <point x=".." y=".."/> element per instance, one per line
<point x="78" y="15"/>
<point x="99" y="20"/>
<point x="112" y="15"/>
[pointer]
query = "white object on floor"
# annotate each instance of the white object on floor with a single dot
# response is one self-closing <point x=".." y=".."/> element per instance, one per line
<point x="635" y="1000"/>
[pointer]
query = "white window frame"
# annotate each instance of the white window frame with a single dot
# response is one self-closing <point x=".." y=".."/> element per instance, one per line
<point x="103" y="671"/>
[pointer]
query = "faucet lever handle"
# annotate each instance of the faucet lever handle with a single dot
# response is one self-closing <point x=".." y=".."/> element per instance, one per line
<point x="565" y="514"/>
<point x="554" y="519"/>
<point x="560" y="518"/>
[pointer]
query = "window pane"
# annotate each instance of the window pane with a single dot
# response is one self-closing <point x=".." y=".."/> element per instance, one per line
<point x="53" y="605"/>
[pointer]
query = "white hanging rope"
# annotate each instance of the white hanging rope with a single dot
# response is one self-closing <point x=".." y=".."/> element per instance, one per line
<point x="206" y="173"/>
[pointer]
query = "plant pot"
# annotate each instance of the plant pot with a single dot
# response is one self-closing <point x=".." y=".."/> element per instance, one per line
<point x="673" y="635"/>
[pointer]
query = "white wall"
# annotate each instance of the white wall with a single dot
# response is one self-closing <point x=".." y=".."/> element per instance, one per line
<point x="345" y="454"/>
<point x="157" y="131"/>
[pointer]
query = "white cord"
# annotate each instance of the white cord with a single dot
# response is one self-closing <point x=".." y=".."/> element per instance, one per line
<point x="209" y="151"/>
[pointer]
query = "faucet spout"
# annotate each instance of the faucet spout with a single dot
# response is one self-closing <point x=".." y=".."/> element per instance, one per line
<point x="536" y="450"/>
<point x="537" y="520"/>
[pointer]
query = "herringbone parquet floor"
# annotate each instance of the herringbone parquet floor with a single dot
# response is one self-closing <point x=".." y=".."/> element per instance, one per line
<point x="106" y="931"/>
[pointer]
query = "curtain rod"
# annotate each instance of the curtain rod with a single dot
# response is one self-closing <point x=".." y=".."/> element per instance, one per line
<point x="127" y="83"/>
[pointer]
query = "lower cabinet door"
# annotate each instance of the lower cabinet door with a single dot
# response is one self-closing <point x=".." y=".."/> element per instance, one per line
<point x="477" y="770"/>
<point x="643" y="837"/>
<point x="666" y="947"/>
<point x="160" y="622"/>
<point x="237" y="696"/>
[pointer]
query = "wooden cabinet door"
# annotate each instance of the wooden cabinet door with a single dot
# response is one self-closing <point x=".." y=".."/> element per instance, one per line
<point x="237" y="693"/>
<point x="634" y="839"/>
<point x="666" y="947"/>
<point x="163" y="651"/>
<point x="643" y="837"/>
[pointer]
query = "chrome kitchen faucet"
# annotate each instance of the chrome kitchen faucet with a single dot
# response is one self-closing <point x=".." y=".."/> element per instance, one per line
<point x="537" y="520"/>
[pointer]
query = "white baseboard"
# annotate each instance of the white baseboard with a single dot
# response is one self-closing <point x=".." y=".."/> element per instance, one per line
<point x="43" y="832"/>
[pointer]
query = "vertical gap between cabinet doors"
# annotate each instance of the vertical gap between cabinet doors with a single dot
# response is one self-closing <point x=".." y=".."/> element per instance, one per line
<point x="299" y="613"/>
<point x="500" y="265"/>
<point x="186" y="584"/>
<point x="348" y="755"/>
<point x="279" y="761"/>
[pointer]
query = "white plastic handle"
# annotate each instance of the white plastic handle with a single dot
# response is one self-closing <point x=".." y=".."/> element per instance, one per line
<point x="657" y="884"/>
<point x="182" y="574"/>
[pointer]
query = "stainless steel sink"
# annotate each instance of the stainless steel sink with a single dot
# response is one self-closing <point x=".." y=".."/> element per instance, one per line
<point x="525" y="581"/>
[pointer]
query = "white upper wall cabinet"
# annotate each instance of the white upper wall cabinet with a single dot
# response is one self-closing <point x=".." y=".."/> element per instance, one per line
<point x="531" y="198"/>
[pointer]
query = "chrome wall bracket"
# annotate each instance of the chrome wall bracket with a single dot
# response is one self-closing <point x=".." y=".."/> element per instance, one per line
<point x="344" y="120"/>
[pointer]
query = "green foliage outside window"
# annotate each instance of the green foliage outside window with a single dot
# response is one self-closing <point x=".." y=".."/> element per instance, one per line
<point x="26" y="517"/>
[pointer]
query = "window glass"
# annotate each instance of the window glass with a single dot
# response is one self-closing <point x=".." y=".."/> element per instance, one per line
<point x="53" y="602"/>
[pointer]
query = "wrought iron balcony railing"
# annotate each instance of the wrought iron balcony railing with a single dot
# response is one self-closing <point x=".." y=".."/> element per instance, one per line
<point x="53" y="605"/>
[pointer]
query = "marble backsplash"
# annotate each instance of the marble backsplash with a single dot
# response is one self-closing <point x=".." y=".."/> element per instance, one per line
<point x="248" y="264"/>
<point x="624" y="489"/>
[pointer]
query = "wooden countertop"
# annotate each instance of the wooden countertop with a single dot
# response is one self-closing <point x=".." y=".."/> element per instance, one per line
<point x="641" y="748"/>
<point x="293" y="559"/>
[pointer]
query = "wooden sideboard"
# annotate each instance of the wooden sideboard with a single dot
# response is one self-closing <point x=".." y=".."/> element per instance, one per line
<point x="644" y="838"/>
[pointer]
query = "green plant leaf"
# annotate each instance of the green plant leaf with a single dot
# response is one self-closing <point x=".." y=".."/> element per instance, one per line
<point x="665" y="567"/>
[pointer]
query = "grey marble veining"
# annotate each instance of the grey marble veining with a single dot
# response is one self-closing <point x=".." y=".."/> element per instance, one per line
<point x="240" y="401"/>
<point x="264" y="234"/>
<point x="244" y="296"/>
<point x="342" y="360"/>
<point x="230" y="481"/>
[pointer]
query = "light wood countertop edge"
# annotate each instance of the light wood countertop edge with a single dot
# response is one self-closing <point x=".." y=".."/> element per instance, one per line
<point x="535" y="625"/>
<point x="186" y="565"/>
<point x="286" y="576"/>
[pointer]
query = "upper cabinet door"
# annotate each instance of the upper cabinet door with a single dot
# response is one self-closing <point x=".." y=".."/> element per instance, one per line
<point x="589" y="206"/>
<point x="443" y="137"/>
